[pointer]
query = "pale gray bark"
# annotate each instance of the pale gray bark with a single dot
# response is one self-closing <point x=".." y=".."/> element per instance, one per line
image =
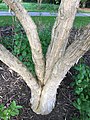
<point x="73" y="53"/>
<point x="11" y="61"/>
<point x="59" y="58"/>
<point x="60" y="33"/>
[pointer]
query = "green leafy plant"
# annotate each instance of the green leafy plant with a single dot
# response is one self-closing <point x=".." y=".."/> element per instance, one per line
<point x="0" y="1"/>
<point x="22" y="49"/>
<point x="18" y="43"/>
<point x="7" y="41"/>
<point x="7" y="112"/>
<point x="82" y="90"/>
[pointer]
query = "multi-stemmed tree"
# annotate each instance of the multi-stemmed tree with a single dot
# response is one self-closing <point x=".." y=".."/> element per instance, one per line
<point x="59" y="58"/>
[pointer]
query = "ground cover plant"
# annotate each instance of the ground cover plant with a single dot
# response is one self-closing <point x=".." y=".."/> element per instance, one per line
<point x="34" y="7"/>
<point x="6" y="112"/>
<point x="43" y="21"/>
<point x="81" y="86"/>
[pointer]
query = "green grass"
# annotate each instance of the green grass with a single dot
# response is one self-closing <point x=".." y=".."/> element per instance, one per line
<point x="6" y="21"/>
<point x="3" y="7"/>
<point x="45" y="21"/>
<point x="34" y="7"/>
<point x="42" y="8"/>
<point x="81" y="22"/>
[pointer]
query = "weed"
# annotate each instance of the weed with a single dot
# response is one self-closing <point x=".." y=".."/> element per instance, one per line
<point x="7" y="112"/>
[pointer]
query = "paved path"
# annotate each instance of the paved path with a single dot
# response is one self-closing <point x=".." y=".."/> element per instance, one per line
<point x="4" y="13"/>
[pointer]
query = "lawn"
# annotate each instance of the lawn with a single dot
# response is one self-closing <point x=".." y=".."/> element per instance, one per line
<point x="81" y="22"/>
<point x="46" y="21"/>
<point x="43" y="8"/>
<point x="34" y="7"/>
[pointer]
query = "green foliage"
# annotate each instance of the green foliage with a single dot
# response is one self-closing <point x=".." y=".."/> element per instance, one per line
<point x="82" y="90"/>
<point x="79" y="24"/>
<point x="22" y="49"/>
<point x="0" y="1"/>
<point x="18" y="43"/>
<point x="3" y="7"/>
<point x="8" y="21"/>
<point x="7" y="42"/>
<point x="83" y="1"/>
<point x="7" y="112"/>
<point x="44" y="30"/>
<point x="5" y="21"/>
<point x="42" y="8"/>
<point x="34" y="7"/>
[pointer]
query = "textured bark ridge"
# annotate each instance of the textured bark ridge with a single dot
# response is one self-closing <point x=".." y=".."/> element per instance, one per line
<point x="60" y="33"/>
<point x="59" y="58"/>
<point x="73" y="53"/>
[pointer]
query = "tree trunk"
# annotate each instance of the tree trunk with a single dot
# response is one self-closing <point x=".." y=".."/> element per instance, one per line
<point x="73" y="53"/>
<point x="59" y="59"/>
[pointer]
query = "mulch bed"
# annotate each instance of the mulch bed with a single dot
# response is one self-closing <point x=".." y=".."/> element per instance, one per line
<point x="12" y="87"/>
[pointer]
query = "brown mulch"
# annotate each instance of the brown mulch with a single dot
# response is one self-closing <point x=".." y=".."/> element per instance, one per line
<point x="6" y="31"/>
<point x="12" y="87"/>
